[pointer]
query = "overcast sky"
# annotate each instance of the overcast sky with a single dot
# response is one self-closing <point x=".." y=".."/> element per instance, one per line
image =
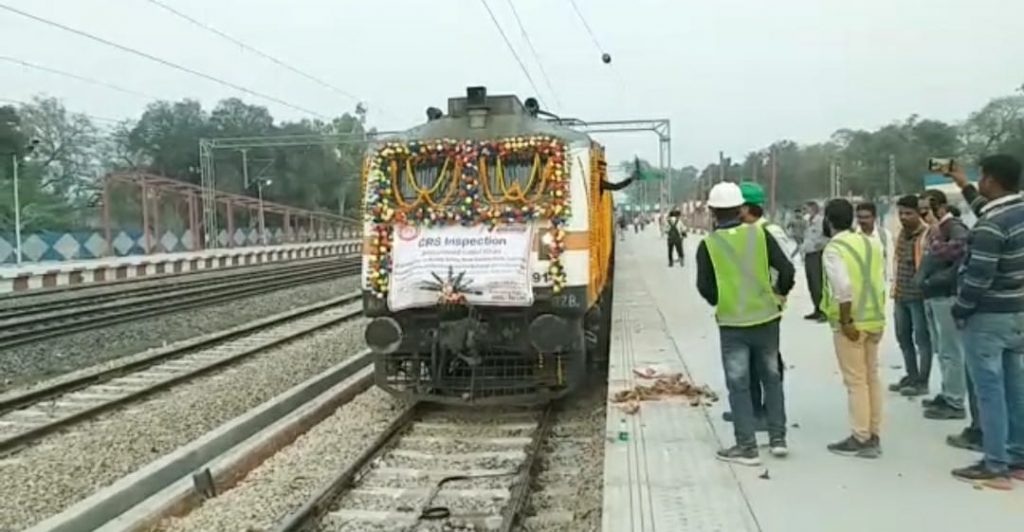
<point x="731" y="75"/>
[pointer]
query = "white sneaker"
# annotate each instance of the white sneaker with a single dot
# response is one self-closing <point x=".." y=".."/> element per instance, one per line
<point x="778" y="449"/>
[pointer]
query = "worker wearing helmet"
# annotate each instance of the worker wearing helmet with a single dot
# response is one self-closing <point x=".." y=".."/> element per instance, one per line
<point x="733" y="275"/>
<point x="752" y="212"/>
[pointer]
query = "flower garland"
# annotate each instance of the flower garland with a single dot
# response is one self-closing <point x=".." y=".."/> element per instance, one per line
<point x="467" y="206"/>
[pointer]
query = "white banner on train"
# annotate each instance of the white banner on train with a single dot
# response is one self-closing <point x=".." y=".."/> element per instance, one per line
<point x="495" y="264"/>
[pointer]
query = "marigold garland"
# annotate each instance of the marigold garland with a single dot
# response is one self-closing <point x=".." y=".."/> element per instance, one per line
<point x="468" y="206"/>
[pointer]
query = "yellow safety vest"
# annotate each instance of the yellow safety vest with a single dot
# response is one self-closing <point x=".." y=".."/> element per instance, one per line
<point x="740" y="258"/>
<point x="865" y="263"/>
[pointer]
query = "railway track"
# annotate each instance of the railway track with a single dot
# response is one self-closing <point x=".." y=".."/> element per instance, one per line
<point x="24" y="324"/>
<point x="435" y="470"/>
<point x="27" y="416"/>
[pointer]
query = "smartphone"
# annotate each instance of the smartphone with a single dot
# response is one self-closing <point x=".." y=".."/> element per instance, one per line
<point x="940" y="165"/>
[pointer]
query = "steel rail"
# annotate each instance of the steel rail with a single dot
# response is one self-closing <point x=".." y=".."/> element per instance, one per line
<point x="158" y="286"/>
<point x="77" y="320"/>
<point x="320" y="503"/>
<point x="19" y="403"/>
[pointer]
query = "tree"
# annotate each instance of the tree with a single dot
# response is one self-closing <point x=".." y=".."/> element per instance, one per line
<point x="997" y="127"/>
<point x="66" y="157"/>
<point x="167" y="136"/>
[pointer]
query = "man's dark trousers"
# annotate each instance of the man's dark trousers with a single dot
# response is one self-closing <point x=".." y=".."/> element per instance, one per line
<point x="675" y="246"/>
<point x="739" y="346"/>
<point x="756" y="389"/>
<point x="812" y="267"/>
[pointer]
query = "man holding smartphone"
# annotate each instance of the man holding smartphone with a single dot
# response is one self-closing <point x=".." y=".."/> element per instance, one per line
<point x="989" y="310"/>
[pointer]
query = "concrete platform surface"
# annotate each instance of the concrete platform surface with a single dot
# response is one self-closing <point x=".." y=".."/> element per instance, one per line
<point x="665" y="477"/>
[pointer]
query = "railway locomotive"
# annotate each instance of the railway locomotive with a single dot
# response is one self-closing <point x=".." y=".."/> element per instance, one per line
<point x="488" y="255"/>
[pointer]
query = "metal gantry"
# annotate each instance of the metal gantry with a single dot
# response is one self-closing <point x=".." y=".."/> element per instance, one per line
<point x="208" y="172"/>
<point x="661" y="127"/>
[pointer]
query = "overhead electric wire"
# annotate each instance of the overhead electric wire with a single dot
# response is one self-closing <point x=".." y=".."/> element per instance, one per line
<point x="597" y="44"/>
<point x="94" y="117"/>
<point x="511" y="48"/>
<point x="78" y="77"/>
<point x="244" y="46"/>
<point x="536" y="56"/>
<point x="161" y="61"/>
<point x="583" y="19"/>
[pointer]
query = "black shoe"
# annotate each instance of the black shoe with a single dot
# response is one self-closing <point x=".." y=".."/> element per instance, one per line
<point x="851" y="446"/>
<point x="968" y="439"/>
<point x="897" y="386"/>
<point x="727" y="416"/>
<point x="938" y="400"/>
<point x="876" y="440"/>
<point x="739" y="455"/>
<point x="944" y="411"/>
<point x="914" y="390"/>
<point x="814" y="316"/>
<point x="980" y="475"/>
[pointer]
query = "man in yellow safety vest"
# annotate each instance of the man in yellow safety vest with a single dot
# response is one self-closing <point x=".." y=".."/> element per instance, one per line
<point x="733" y="264"/>
<point x="752" y="212"/>
<point x="853" y="302"/>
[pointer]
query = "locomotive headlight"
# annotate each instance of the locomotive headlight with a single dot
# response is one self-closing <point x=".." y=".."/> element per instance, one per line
<point x="544" y="253"/>
<point x="549" y="333"/>
<point x="383" y="335"/>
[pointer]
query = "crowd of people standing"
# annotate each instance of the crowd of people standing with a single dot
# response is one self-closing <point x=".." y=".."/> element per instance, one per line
<point x="957" y="296"/>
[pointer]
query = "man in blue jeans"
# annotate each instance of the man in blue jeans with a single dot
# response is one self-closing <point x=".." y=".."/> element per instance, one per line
<point x="945" y="248"/>
<point x="733" y="275"/>
<point x="909" y="319"/>
<point x="990" y="311"/>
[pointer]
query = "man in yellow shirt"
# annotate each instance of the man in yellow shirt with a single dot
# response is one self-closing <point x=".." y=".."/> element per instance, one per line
<point x="854" y="305"/>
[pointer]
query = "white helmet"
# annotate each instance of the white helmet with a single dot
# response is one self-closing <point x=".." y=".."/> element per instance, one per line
<point x="725" y="195"/>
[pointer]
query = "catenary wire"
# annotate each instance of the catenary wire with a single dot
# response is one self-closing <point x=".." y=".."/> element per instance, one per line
<point x="78" y="77"/>
<point x="94" y="117"/>
<point x="597" y="44"/>
<point x="511" y="48"/>
<point x="586" y="25"/>
<point x="161" y="61"/>
<point x="279" y="62"/>
<point x="536" y="56"/>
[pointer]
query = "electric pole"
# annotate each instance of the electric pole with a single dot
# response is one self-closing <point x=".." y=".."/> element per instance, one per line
<point x="245" y="168"/>
<point x="721" y="167"/>
<point x="774" y="183"/>
<point x="892" y="175"/>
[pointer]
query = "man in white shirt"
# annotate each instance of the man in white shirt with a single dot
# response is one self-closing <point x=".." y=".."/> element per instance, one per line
<point x="854" y="303"/>
<point x="867" y="225"/>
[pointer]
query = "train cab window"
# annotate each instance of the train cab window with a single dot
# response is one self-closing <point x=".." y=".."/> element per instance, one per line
<point x="513" y="176"/>
<point x="432" y="178"/>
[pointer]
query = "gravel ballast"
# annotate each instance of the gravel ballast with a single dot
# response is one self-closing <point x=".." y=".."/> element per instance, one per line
<point x="286" y="480"/>
<point x="570" y="481"/>
<point x="67" y="467"/>
<point x="29" y="363"/>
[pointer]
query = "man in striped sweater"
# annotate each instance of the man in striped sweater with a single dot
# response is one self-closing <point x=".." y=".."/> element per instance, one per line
<point x="989" y="309"/>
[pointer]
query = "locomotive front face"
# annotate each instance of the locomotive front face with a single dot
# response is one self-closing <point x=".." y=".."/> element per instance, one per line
<point x="476" y="268"/>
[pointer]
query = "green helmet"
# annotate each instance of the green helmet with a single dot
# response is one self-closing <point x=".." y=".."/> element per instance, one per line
<point x="753" y="193"/>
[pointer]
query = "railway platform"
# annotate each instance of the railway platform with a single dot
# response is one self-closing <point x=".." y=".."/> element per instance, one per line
<point x="663" y="476"/>
<point x="35" y="276"/>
